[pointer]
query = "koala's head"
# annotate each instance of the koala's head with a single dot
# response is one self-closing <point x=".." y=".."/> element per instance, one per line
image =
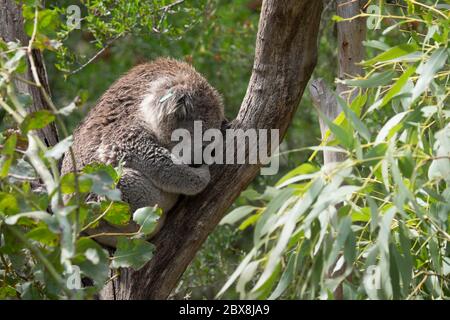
<point x="175" y="100"/>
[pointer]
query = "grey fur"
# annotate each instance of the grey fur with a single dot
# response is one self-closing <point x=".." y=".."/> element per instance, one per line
<point x="133" y="122"/>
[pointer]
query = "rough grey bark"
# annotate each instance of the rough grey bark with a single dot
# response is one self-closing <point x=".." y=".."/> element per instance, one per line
<point x="285" y="56"/>
<point x="12" y="29"/>
<point x="351" y="35"/>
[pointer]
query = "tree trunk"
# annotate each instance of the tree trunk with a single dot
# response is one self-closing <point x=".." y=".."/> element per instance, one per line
<point x="286" y="54"/>
<point x="12" y="29"/>
<point x="351" y="35"/>
<point x="351" y="51"/>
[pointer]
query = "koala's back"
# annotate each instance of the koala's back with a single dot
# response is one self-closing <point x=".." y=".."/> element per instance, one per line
<point x="115" y="119"/>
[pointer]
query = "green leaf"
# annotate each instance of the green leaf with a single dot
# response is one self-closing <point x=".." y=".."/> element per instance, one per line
<point x="337" y="18"/>
<point x="246" y="275"/>
<point x="36" y="215"/>
<point x="237" y="214"/>
<point x="373" y="153"/>
<point x="391" y="126"/>
<point x="7" y="155"/>
<point x="440" y="167"/>
<point x="374" y="217"/>
<point x="23" y="168"/>
<point x="6" y="291"/>
<point x="132" y="253"/>
<point x="147" y="218"/>
<point x="94" y="168"/>
<point x="385" y="229"/>
<point x="68" y="183"/>
<point x="393" y="53"/>
<point x="407" y="164"/>
<point x="249" y="221"/>
<point x="354" y="119"/>
<point x="118" y="212"/>
<point x="8" y="204"/>
<point x="43" y="235"/>
<point x="48" y="20"/>
<point x="300" y="207"/>
<point x="404" y="261"/>
<point x="263" y="291"/>
<point x="376" y="45"/>
<point x="345" y="137"/>
<point x="93" y="261"/>
<point x="428" y="70"/>
<point x="12" y="64"/>
<point x="286" y="278"/>
<point x="344" y="229"/>
<point x="394" y="271"/>
<point x="36" y="120"/>
<point x="271" y="209"/>
<point x="362" y="215"/>
<point x="350" y="248"/>
<point x="358" y="103"/>
<point x="244" y="263"/>
<point x="375" y="80"/>
<point x="103" y="178"/>
<point x="398" y="85"/>
<point x="303" y="169"/>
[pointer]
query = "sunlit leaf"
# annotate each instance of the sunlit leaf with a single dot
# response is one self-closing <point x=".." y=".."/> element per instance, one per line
<point x="428" y="70"/>
<point x="237" y="214"/>
<point x="147" y="218"/>
<point x="375" y="80"/>
<point x="393" y="53"/>
<point x="37" y="120"/>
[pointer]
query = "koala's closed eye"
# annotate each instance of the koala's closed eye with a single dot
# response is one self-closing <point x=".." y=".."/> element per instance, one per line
<point x="183" y="108"/>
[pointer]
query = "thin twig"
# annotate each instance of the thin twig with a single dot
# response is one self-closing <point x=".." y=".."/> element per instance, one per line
<point x="169" y="6"/>
<point x="95" y="56"/>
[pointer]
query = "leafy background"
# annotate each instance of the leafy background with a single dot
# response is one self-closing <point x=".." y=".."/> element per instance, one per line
<point x="379" y="219"/>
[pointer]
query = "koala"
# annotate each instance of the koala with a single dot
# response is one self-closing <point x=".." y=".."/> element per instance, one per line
<point x="133" y="122"/>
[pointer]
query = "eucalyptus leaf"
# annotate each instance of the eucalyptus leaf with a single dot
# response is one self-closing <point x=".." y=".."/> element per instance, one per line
<point x="132" y="253"/>
<point x="237" y="214"/>
<point x="147" y="218"/>
<point x="428" y="70"/>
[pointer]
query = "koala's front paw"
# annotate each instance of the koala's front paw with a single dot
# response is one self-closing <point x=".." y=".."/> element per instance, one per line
<point x="199" y="180"/>
<point x="204" y="175"/>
